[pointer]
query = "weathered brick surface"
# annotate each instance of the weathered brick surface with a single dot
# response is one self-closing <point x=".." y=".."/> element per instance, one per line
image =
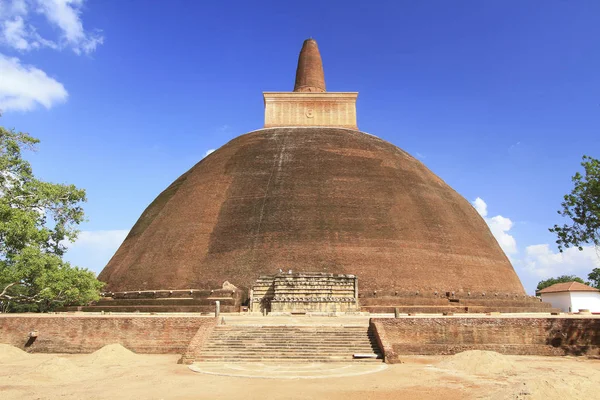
<point x="524" y="336"/>
<point x="85" y="334"/>
<point x="195" y="345"/>
<point x="309" y="74"/>
<point x="306" y="199"/>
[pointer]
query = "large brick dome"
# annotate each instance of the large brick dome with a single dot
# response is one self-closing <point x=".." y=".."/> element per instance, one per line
<point x="318" y="199"/>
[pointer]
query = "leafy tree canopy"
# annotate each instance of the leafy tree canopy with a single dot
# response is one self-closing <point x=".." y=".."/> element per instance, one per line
<point x="594" y="278"/>
<point x="582" y="207"/>
<point x="563" y="278"/>
<point x="36" y="220"/>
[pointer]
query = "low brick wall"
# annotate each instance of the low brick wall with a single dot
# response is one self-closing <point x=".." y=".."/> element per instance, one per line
<point x="195" y="346"/>
<point x="88" y="333"/>
<point x="450" y="335"/>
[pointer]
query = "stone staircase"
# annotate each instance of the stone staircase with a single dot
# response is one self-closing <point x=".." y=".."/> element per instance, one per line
<point x="244" y="343"/>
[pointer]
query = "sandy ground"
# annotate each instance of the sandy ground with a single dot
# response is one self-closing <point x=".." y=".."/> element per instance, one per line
<point x="115" y="373"/>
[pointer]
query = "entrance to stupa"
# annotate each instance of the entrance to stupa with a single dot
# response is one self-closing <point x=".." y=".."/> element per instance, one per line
<point x="304" y="292"/>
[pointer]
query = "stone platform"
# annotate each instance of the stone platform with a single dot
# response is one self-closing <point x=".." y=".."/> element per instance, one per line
<point x="168" y="301"/>
<point x="438" y="302"/>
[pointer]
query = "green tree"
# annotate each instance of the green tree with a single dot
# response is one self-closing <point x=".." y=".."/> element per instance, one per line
<point x="37" y="218"/>
<point x="582" y="206"/>
<point x="594" y="278"/>
<point x="563" y="278"/>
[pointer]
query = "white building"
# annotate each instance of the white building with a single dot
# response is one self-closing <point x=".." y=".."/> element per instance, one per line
<point x="572" y="297"/>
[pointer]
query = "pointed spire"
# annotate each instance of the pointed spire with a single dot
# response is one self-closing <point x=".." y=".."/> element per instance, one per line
<point x="309" y="75"/>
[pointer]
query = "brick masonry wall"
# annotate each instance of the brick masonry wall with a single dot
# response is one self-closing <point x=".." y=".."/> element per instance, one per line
<point x="450" y="335"/>
<point x="88" y="333"/>
<point x="196" y="344"/>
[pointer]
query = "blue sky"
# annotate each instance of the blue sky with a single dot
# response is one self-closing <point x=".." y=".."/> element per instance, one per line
<point x="499" y="98"/>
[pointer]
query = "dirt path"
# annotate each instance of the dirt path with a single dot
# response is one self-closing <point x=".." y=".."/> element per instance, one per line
<point x="115" y="373"/>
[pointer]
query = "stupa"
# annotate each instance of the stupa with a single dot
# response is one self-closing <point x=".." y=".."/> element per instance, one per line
<point x="311" y="194"/>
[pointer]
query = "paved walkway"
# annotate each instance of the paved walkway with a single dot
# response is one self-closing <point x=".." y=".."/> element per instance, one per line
<point x="287" y="371"/>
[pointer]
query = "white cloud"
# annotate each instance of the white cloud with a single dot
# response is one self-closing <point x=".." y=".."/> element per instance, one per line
<point x="93" y="249"/>
<point x="11" y="8"/>
<point x="14" y="33"/>
<point x="499" y="226"/>
<point x="208" y="152"/>
<point x="480" y="206"/>
<point x="538" y="261"/>
<point x="64" y="16"/>
<point x="542" y="262"/>
<point x="22" y="87"/>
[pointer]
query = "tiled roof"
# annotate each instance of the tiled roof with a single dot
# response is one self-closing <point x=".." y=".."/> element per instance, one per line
<point x="568" y="287"/>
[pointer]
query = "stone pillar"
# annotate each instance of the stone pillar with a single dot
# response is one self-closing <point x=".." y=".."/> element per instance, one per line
<point x="356" y="292"/>
<point x="396" y="312"/>
<point x="217" y="308"/>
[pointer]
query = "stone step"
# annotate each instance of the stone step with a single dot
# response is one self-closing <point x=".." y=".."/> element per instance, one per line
<point x="258" y="347"/>
<point x="493" y="302"/>
<point x="234" y="359"/>
<point x="403" y="301"/>
<point x="267" y="331"/>
<point x="276" y="334"/>
<point x="304" y="329"/>
<point x="300" y="332"/>
<point x="202" y="293"/>
<point x="442" y="294"/>
<point x="292" y="352"/>
<point x="454" y="309"/>
<point x="292" y="332"/>
<point x="289" y="337"/>
<point x="278" y="338"/>
<point x="267" y="328"/>
<point x="285" y="343"/>
<point x="283" y="358"/>
<point x="155" y="309"/>
<point x="290" y="342"/>
<point x="301" y="347"/>
<point x="165" y="302"/>
<point x="250" y="356"/>
<point x="420" y="301"/>
<point x="336" y="328"/>
<point x="307" y="328"/>
<point x="281" y="343"/>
